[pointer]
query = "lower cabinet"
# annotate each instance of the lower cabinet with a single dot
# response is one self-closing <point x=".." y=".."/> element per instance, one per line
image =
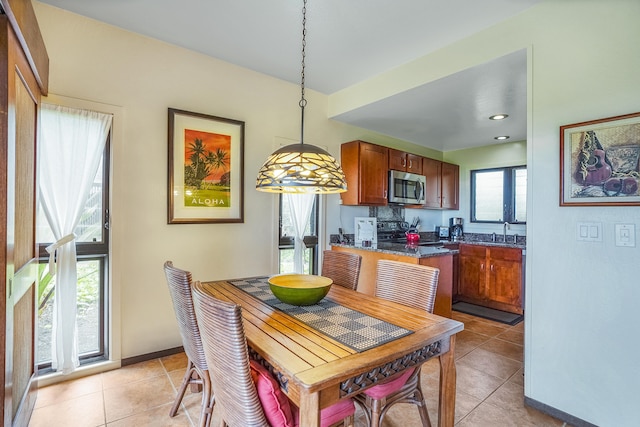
<point x="368" y="274"/>
<point x="491" y="276"/>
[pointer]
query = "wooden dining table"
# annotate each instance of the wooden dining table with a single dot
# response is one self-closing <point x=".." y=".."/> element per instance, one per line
<point x="316" y="370"/>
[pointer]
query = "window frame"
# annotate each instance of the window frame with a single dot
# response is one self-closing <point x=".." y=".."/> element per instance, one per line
<point x="509" y="194"/>
<point x="93" y="251"/>
<point x="310" y="241"/>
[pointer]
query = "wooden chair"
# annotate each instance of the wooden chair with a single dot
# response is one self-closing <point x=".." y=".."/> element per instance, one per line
<point x="415" y="286"/>
<point x="342" y="267"/>
<point x="240" y="397"/>
<point x="197" y="373"/>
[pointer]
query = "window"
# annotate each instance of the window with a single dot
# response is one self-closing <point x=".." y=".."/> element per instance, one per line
<point x="92" y="245"/>
<point x="286" y="239"/>
<point x="499" y="195"/>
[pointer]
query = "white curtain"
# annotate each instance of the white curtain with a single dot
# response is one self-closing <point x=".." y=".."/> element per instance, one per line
<point x="300" y="205"/>
<point x="71" y="146"/>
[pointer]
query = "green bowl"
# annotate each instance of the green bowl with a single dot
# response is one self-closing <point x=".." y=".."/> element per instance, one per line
<point x="300" y="289"/>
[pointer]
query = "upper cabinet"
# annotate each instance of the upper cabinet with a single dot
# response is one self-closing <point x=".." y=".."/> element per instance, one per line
<point x="407" y="162"/>
<point x="365" y="167"/>
<point x="443" y="184"/>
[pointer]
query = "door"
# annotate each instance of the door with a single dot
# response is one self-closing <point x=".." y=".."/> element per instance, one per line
<point x="19" y="104"/>
<point x="505" y="283"/>
<point x="450" y="185"/>
<point x="373" y="174"/>
<point x="473" y="273"/>
<point x="432" y="170"/>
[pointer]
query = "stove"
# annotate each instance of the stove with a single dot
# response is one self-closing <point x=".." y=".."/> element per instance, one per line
<point x="392" y="231"/>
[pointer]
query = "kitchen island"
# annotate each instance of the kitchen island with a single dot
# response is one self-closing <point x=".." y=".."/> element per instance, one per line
<point x="433" y="256"/>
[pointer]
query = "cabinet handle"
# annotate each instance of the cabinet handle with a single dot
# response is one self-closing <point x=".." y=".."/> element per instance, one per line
<point x="482" y="266"/>
<point x="491" y="267"/>
<point x="404" y="163"/>
<point x="410" y="164"/>
<point x="385" y="194"/>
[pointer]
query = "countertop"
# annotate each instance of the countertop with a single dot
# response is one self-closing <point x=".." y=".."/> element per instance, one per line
<point x="426" y="251"/>
<point x="403" y="249"/>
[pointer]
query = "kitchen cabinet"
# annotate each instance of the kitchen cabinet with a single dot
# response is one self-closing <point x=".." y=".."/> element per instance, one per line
<point x="491" y="277"/>
<point x="369" y="273"/>
<point x="406" y="162"/>
<point x="443" y="184"/>
<point x="365" y="166"/>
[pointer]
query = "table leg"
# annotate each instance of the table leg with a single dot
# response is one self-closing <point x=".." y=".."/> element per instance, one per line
<point x="309" y="409"/>
<point x="447" y="405"/>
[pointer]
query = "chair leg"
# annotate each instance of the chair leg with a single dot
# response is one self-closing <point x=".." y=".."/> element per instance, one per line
<point x="208" y="400"/>
<point x="183" y="387"/>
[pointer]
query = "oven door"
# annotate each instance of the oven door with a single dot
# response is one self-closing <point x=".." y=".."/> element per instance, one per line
<point x="406" y="188"/>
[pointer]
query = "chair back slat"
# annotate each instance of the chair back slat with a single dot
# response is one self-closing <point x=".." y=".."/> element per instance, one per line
<point x="226" y="351"/>
<point x="409" y="284"/>
<point x="342" y="267"/>
<point x="179" y="282"/>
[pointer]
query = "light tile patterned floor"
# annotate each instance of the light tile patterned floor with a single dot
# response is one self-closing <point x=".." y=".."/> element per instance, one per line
<point x="489" y="359"/>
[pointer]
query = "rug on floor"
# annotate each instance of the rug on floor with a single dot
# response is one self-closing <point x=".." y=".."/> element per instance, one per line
<point x="488" y="313"/>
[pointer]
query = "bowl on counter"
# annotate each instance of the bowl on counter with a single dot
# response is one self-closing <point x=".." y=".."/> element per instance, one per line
<point x="300" y="289"/>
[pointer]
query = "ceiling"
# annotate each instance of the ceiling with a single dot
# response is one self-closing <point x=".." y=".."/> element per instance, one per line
<point x="349" y="41"/>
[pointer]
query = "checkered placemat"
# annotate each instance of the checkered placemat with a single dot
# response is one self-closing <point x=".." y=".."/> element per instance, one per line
<point x="350" y="327"/>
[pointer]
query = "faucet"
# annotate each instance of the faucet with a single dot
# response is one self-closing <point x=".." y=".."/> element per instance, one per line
<point x="504" y="231"/>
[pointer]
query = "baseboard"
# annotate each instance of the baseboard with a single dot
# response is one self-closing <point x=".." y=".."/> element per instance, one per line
<point x="556" y="413"/>
<point x="151" y="356"/>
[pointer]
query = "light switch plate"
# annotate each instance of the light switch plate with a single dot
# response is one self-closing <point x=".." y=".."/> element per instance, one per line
<point x="589" y="231"/>
<point x="625" y="235"/>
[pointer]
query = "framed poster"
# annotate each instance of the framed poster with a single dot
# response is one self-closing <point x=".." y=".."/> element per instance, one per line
<point x="206" y="169"/>
<point x="599" y="162"/>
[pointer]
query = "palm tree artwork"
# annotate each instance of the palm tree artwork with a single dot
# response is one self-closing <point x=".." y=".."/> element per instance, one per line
<point x="206" y="169"/>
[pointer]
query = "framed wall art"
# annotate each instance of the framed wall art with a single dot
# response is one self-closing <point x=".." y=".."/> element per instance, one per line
<point x="599" y="162"/>
<point x="206" y="169"/>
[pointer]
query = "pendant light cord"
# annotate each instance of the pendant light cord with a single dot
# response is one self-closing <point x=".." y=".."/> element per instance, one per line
<point x="303" y="101"/>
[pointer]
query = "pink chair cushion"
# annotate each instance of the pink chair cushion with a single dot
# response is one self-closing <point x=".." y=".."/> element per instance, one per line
<point x="279" y="410"/>
<point x="330" y="415"/>
<point x="379" y="391"/>
<point x="275" y="403"/>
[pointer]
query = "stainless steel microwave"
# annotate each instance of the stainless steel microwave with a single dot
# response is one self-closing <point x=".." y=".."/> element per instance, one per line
<point x="406" y="188"/>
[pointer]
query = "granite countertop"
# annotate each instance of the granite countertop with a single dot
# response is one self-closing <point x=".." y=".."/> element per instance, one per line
<point x="403" y="249"/>
<point x="498" y="244"/>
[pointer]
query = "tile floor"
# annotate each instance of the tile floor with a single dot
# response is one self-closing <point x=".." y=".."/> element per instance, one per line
<point x="490" y="382"/>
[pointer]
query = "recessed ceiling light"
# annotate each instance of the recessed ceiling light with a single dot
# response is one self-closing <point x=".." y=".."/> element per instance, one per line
<point x="499" y="117"/>
<point x="501" y="138"/>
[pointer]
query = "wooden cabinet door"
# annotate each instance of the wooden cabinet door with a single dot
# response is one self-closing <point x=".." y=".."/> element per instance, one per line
<point x="450" y="186"/>
<point x="406" y="162"/>
<point x="414" y="163"/>
<point x="473" y="272"/>
<point x="397" y="160"/>
<point x="504" y="286"/>
<point x="365" y="167"/>
<point x="432" y="170"/>
<point x="374" y="177"/>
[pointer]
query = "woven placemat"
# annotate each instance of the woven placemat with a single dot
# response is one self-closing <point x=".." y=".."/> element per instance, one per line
<point x="352" y="328"/>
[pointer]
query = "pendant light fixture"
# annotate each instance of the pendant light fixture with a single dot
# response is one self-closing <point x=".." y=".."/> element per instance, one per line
<point x="301" y="168"/>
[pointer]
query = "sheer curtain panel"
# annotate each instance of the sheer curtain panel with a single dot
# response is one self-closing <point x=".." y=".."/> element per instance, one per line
<point x="300" y="205"/>
<point x="71" y="146"/>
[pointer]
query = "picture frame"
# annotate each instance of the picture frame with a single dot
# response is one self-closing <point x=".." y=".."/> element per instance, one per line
<point x="205" y="170"/>
<point x="599" y="162"/>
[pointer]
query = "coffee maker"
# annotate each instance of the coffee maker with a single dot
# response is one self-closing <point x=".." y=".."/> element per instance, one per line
<point x="455" y="227"/>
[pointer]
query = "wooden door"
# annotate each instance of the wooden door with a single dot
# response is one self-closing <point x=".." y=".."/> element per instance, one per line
<point x="373" y="174"/>
<point x="397" y="160"/>
<point x="414" y="163"/>
<point x="450" y="185"/>
<point x="473" y="271"/>
<point x="20" y="90"/>
<point x="505" y="282"/>
<point x="432" y="170"/>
